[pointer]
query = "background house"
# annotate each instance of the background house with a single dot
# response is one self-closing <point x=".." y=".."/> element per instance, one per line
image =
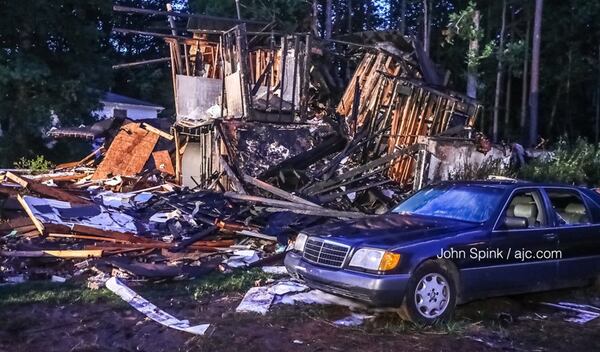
<point x="120" y="105"/>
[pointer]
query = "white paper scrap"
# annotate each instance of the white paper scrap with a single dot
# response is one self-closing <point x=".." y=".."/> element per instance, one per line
<point x="152" y="311"/>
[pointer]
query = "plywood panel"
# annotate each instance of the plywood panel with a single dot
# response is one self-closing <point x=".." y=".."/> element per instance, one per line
<point x="128" y="152"/>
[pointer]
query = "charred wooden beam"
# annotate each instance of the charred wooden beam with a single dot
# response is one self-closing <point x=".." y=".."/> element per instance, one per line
<point x="278" y="191"/>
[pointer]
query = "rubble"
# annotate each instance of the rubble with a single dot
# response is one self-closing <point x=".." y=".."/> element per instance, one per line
<point x="253" y="158"/>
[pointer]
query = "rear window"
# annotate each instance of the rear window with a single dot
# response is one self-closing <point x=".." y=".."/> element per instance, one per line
<point x="569" y="207"/>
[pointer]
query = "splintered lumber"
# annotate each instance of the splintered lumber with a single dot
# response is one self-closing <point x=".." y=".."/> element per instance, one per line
<point x="15" y="223"/>
<point x="294" y="207"/>
<point x="121" y="236"/>
<point x="268" y="201"/>
<point x="232" y="176"/>
<point x="85" y="237"/>
<point x="159" y="132"/>
<point x="163" y="163"/>
<point x="38" y="225"/>
<point x="46" y="191"/>
<point x="320" y="212"/>
<point x="88" y="158"/>
<point x="330" y="197"/>
<point x="195" y="238"/>
<point x="62" y="178"/>
<point x="257" y="235"/>
<point x="157" y="245"/>
<point x="278" y="191"/>
<point x="128" y="153"/>
<point x="363" y="168"/>
<point x="65" y="254"/>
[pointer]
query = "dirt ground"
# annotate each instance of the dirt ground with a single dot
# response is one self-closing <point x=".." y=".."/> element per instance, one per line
<point x="516" y="323"/>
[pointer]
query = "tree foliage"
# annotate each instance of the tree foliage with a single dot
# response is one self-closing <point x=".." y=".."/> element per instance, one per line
<point x="53" y="63"/>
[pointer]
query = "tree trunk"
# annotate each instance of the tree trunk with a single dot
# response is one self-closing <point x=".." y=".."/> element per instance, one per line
<point x="426" y="28"/>
<point x="597" y="127"/>
<point x="472" y="71"/>
<point x="328" y="19"/>
<point x="568" y="91"/>
<point x="349" y="9"/>
<point x="315" y="18"/>
<point x="555" y="106"/>
<point x="499" y="74"/>
<point x="523" y="118"/>
<point x="507" y="101"/>
<point x="403" y="17"/>
<point x="535" y="73"/>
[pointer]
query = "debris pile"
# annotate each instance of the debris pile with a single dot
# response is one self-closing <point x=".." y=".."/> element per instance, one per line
<point x="251" y="160"/>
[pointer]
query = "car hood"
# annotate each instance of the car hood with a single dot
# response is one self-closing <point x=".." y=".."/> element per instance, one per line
<point x="389" y="230"/>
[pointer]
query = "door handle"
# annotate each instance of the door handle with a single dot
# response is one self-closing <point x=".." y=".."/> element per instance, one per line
<point x="550" y="236"/>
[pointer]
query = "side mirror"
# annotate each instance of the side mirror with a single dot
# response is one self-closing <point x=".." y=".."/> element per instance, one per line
<point x="515" y="222"/>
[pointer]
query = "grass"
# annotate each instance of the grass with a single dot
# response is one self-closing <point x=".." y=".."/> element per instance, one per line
<point x="63" y="293"/>
<point x="52" y="293"/>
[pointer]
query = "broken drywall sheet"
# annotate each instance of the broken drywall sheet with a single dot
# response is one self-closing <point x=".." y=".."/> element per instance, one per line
<point x="123" y="200"/>
<point x="260" y="299"/>
<point x="152" y="311"/>
<point x="63" y="213"/>
<point x="242" y="258"/>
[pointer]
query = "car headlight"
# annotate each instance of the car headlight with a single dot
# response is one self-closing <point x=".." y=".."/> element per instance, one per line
<point x="375" y="259"/>
<point x="300" y="242"/>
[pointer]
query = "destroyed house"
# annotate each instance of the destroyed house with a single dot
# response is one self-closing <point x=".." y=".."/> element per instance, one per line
<point x="246" y="105"/>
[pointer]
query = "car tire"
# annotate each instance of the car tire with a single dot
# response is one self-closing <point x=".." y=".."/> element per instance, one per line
<point x="430" y="295"/>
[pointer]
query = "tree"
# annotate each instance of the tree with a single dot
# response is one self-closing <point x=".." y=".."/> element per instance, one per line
<point x="426" y="26"/>
<point x="53" y="65"/>
<point x="148" y="82"/>
<point x="535" y="74"/>
<point x="466" y="24"/>
<point x="499" y="74"/>
<point x="328" y="19"/>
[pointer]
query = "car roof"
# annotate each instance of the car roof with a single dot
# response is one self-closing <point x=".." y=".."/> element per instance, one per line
<point x="506" y="184"/>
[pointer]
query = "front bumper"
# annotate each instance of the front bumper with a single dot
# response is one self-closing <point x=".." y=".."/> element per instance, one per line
<point x="375" y="290"/>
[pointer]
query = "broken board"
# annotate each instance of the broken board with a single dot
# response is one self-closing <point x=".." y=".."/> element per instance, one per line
<point x="128" y="153"/>
<point x="163" y="163"/>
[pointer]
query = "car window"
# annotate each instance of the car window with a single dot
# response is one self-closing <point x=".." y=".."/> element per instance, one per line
<point x="528" y="205"/>
<point x="569" y="207"/>
<point x="460" y="202"/>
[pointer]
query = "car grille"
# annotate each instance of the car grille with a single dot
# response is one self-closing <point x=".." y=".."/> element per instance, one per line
<point x="324" y="252"/>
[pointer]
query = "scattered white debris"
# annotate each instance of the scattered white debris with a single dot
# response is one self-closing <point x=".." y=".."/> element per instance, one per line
<point x="281" y="288"/>
<point x="260" y="299"/>
<point x="59" y="279"/>
<point x="275" y="270"/>
<point x="256" y="300"/>
<point x="583" y="313"/>
<point x="16" y="279"/>
<point x="241" y="258"/>
<point x="354" y="319"/>
<point x="152" y="311"/>
<point x="298" y="342"/>
<point x="163" y="217"/>
<point x="320" y="297"/>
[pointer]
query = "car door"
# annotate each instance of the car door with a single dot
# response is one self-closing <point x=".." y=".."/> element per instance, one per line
<point x="578" y="234"/>
<point x="519" y="269"/>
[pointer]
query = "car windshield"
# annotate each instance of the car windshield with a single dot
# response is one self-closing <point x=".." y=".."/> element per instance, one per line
<point x="460" y="202"/>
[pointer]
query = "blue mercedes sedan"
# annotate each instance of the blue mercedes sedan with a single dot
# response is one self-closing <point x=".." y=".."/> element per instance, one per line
<point x="454" y="242"/>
